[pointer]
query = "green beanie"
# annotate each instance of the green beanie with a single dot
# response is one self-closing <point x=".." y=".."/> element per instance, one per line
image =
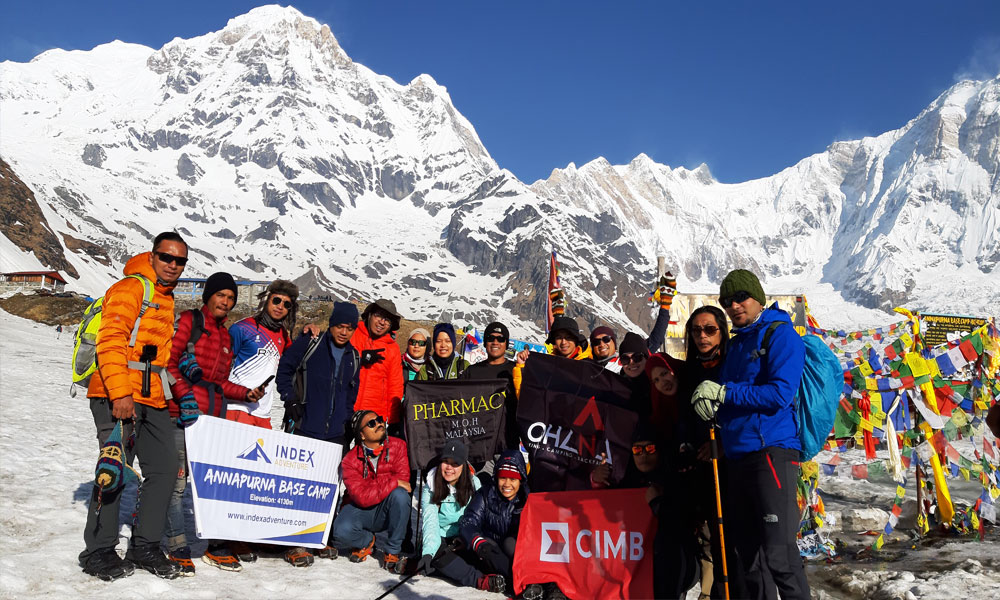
<point x="742" y="280"/>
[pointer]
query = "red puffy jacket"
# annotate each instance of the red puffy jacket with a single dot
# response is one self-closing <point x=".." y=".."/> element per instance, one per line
<point x="214" y="354"/>
<point x="367" y="486"/>
<point x="381" y="387"/>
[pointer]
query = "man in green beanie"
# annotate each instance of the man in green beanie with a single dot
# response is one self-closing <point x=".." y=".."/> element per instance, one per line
<point x="753" y="404"/>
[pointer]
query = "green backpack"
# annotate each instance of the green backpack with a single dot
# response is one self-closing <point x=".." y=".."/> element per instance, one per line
<point x="85" y="344"/>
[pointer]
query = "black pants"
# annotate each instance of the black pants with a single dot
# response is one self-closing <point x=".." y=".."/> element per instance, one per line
<point x="762" y="513"/>
<point x="157" y="453"/>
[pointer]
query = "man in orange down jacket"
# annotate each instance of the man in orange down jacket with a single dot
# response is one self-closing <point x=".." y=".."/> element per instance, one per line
<point x="381" y="386"/>
<point x="131" y="385"/>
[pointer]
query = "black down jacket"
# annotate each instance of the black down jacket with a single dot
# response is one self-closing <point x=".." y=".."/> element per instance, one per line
<point x="490" y="515"/>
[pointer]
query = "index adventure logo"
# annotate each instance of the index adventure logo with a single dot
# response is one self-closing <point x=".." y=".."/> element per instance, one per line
<point x="255" y="452"/>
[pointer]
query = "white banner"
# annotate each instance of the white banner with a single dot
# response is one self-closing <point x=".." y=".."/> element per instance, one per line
<point x="259" y="485"/>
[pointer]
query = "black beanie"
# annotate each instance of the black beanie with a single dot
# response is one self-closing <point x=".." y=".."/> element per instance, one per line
<point x="633" y="342"/>
<point x="344" y="313"/>
<point x="217" y="282"/>
<point x="497" y="327"/>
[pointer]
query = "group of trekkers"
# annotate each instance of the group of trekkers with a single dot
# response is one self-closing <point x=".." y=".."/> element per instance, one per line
<point x="345" y="385"/>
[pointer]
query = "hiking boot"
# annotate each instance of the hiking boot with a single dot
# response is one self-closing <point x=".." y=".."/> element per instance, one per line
<point x="394" y="563"/>
<point x="182" y="556"/>
<point x="106" y="565"/>
<point x="299" y="557"/>
<point x="552" y="592"/>
<point x="492" y="583"/>
<point x="152" y="559"/>
<point x="243" y="551"/>
<point x="361" y="554"/>
<point x="328" y="552"/>
<point x="534" y="591"/>
<point x="222" y="558"/>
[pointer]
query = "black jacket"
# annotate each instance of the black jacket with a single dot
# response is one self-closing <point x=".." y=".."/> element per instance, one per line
<point x="490" y="515"/>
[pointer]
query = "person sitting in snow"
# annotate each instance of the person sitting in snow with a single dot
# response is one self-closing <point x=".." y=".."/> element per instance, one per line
<point x="376" y="508"/>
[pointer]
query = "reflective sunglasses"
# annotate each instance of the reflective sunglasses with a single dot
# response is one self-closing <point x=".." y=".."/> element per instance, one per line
<point x="170" y="258"/>
<point x="495" y="338"/>
<point x="638" y="449"/>
<point x="372" y="423"/>
<point x="418" y="343"/>
<point x="708" y="330"/>
<point x="276" y="301"/>
<point x="631" y="357"/>
<point x="604" y="339"/>
<point x="738" y="297"/>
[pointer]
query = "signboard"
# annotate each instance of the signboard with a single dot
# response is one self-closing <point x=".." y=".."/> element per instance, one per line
<point x="936" y="328"/>
<point x="594" y="544"/>
<point x="259" y="485"/>
<point x="472" y="410"/>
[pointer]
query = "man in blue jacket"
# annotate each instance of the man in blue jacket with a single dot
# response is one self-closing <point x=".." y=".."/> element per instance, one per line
<point x="319" y="401"/>
<point x="754" y="406"/>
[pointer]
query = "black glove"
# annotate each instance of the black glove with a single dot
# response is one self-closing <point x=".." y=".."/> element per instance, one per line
<point x="490" y="553"/>
<point x="295" y="411"/>
<point x="371" y="357"/>
<point x="425" y="564"/>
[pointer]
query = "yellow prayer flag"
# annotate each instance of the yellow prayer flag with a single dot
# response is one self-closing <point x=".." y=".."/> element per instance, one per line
<point x="917" y="364"/>
<point x="900" y="491"/>
<point x="964" y="472"/>
<point x="866" y="369"/>
<point x="870" y="384"/>
<point x="865" y="424"/>
<point x="907" y="341"/>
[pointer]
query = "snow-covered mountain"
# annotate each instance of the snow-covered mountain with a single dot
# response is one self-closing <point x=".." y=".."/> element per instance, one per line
<point x="277" y="155"/>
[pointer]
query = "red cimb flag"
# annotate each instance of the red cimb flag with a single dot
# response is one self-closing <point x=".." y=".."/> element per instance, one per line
<point x="556" y="303"/>
<point x="593" y="544"/>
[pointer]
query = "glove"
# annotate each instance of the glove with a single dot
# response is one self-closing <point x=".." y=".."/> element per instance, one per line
<point x="707" y="398"/>
<point x="189" y="368"/>
<point x="295" y="411"/>
<point x="558" y="299"/>
<point x="491" y="554"/>
<point x="425" y="564"/>
<point x="189" y="410"/>
<point x="371" y="357"/>
<point x="667" y="290"/>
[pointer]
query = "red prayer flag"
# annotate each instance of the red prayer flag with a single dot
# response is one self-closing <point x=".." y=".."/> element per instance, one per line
<point x="593" y="544"/>
<point x="968" y="351"/>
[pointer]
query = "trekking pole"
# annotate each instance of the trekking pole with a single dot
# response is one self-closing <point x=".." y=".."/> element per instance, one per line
<point x="718" y="506"/>
<point x="393" y="588"/>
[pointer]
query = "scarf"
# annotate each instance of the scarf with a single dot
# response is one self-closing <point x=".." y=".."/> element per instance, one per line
<point x="712" y="360"/>
<point x="414" y="363"/>
<point x="265" y="320"/>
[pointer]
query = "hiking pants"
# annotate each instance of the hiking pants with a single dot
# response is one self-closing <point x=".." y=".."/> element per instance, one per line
<point x="764" y="518"/>
<point x="175" y="531"/>
<point x="458" y="565"/>
<point x="354" y="526"/>
<point x="157" y="453"/>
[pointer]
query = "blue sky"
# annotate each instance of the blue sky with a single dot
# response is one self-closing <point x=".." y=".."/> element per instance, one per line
<point x="749" y="88"/>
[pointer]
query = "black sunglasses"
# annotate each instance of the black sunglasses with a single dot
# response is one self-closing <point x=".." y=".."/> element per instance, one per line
<point x="631" y="357"/>
<point x="495" y="338"/>
<point x="276" y="301"/>
<point x="707" y="330"/>
<point x="418" y="343"/>
<point x="373" y="422"/>
<point x="738" y="297"/>
<point x="170" y="258"/>
<point x="604" y="339"/>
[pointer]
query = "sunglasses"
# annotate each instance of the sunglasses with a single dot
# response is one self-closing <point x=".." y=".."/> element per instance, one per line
<point x="738" y="297"/>
<point x="631" y="357"/>
<point x="708" y="330"/>
<point x="170" y="258"/>
<point x="604" y="339"/>
<point x="418" y="343"/>
<point x="495" y="338"/>
<point x="276" y="301"/>
<point x="638" y="449"/>
<point x="372" y="423"/>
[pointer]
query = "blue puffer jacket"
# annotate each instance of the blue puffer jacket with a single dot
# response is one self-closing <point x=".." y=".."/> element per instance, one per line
<point x="329" y="396"/>
<point x="759" y="409"/>
<point x="490" y="515"/>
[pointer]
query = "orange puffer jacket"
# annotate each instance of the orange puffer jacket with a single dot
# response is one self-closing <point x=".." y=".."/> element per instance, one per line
<point x="121" y="306"/>
<point x="381" y="387"/>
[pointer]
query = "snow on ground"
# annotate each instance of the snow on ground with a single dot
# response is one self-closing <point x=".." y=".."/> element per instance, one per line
<point x="48" y="450"/>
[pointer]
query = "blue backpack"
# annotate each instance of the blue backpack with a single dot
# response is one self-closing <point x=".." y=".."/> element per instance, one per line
<point x="819" y="392"/>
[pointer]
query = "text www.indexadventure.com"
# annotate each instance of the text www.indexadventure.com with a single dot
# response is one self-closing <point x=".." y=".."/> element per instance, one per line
<point x="267" y="519"/>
